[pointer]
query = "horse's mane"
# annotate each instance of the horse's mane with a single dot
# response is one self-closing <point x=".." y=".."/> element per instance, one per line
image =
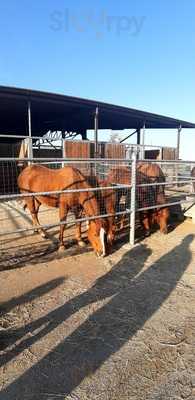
<point x="89" y="200"/>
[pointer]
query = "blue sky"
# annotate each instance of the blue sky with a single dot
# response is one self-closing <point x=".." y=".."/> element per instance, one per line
<point x="139" y="54"/>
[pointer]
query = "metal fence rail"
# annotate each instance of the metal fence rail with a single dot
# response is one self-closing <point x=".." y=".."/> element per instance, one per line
<point x="66" y="191"/>
<point x="174" y="187"/>
<point x="14" y="220"/>
<point x="135" y="192"/>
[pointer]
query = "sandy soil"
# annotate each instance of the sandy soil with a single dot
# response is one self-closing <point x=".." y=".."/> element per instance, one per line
<point x="77" y="327"/>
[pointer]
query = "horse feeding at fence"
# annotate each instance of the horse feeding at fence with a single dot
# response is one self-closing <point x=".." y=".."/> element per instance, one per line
<point x="107" y="198"/>
<point x="38" y="178"/>
<point x="146" y="196"/>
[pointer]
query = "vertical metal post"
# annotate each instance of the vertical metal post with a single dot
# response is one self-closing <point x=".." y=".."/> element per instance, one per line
<point x="138" y="143"/>
<point x="143" y="141"/>
<point x="30" y="149"/>
<point x="178" y="152"/>
<point x="138" y="136"/>
<point x="96" y="131"/>
<point x="178" y="140"/>
<point x="160" y="156"/>
<point x="133" y="199"/>
<point x="63" y="151"/>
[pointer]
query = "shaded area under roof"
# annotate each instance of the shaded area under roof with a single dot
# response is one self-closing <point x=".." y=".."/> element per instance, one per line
<point x="66" y="113"/>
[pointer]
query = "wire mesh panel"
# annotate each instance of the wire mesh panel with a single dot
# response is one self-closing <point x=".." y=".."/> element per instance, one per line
<point x="161" y="183"/>
<point x="9" y="171"/>
<point x="108" y="181"/>
<point x="156" y="185"/>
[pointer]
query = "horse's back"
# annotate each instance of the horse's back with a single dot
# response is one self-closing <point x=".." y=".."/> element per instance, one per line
<point x="151" y="171"/>
<point x="41" y="178"/>
<point x="38" y="178"/>
<point x="119" y="175"/>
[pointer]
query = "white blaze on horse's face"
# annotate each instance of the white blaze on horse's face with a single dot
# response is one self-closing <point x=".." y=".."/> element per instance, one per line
<point x="102" y="239"/>
<point x="87" y="224"/>
<point x="97" y="238"/>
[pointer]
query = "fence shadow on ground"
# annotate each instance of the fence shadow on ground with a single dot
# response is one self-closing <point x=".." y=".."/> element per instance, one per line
<point x="46" y="251"/>
<point x="133" y="295"/>
<point x="31" y="295"/>
<point x="6" y="334"/>
<point x="29" y="255"/>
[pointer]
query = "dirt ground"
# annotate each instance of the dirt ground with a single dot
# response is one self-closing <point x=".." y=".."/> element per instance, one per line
<point x="74" y="326"/>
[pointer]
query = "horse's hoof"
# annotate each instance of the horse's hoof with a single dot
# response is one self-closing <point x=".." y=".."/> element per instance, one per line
<point x="147" y="233"/>
<point x="43" y="235"/>
<point x="81" y="243"/>
<point x="61" y="248"/>
<point x="164" y="231"/>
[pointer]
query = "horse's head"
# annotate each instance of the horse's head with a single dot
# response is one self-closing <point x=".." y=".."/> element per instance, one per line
<point x="97" y="237"/>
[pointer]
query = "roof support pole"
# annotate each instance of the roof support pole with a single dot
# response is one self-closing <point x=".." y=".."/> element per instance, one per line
<point x="139" y="155"/>
<point x="138" y="136"/>
<point x="143" y="142"/>
<point x="178" y="151"/>
<point x="178" y="140"/>
<point x="96" y="131"/>
<point x="30" y="149"/>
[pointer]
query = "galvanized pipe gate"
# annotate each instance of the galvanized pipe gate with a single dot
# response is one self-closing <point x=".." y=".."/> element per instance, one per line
<point x="178" y="182"/>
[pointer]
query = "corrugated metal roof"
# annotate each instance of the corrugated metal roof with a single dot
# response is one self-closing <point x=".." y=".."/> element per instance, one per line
<point x="52" y="111"/>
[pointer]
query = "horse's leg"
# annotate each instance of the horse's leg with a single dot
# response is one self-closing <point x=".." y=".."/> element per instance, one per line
<point x="123" y="219"/>
<point x="78" y="214"/>
<point x="120" y="218"/>
<point x="110" y="200"/>
<point x="40" y="230"/>
<point x="33" y="205"/>
<point x="63" y="211"/>
<point x="145" y="222"/>
<point x="30" y="204"/>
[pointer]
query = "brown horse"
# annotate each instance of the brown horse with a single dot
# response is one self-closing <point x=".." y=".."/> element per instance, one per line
<point x="153" y="195"/>
<point x="37" y="178"/>
<point x="109" y="199"/>
<point x="119" y="175"/>
<point x="106" y="199"/>
<point x="145" y="196"/>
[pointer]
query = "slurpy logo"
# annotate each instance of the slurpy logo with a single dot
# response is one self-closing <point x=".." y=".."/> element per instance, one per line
<point x="97" y="23"/>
